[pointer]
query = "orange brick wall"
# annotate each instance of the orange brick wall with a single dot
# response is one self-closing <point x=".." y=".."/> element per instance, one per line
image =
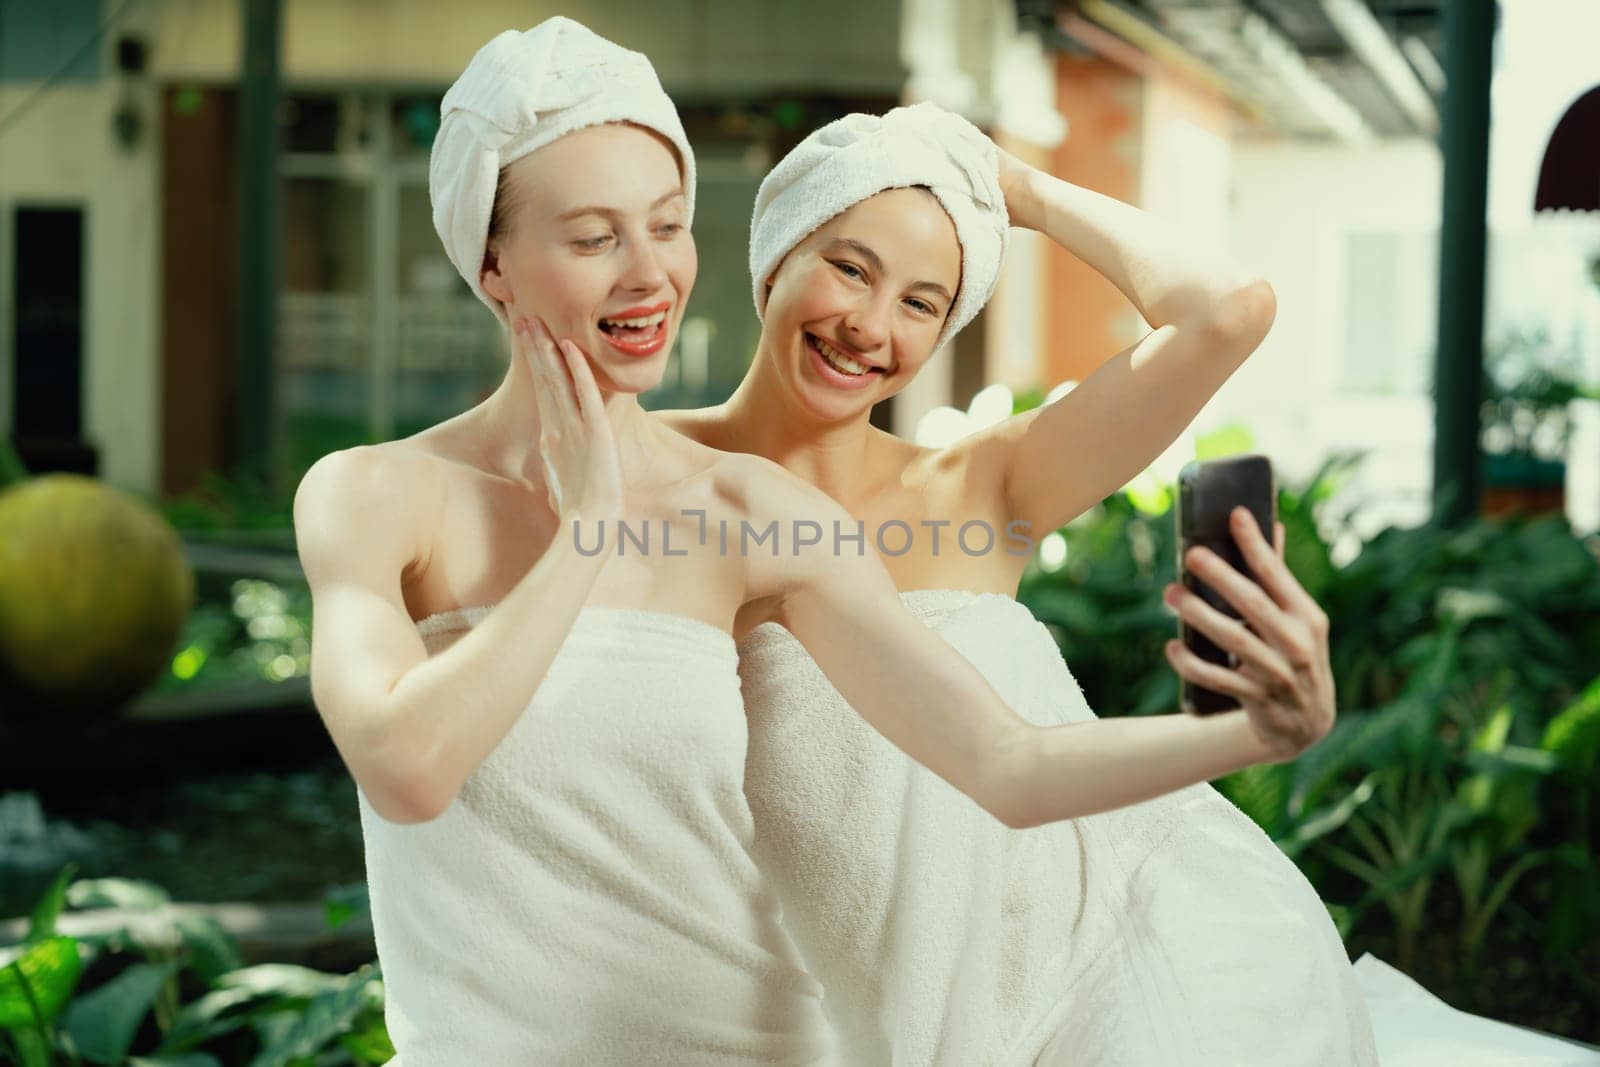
<point x="1103" y="104"/>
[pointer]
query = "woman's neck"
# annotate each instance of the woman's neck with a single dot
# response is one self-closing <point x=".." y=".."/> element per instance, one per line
<point x="507" y="427"/>
<point x="764" y="418"/>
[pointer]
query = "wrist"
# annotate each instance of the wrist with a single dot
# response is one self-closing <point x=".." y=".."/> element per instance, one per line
<point x="1249" y="745"/>
<point x="590" y="509"/>
<point x="1024" y="204"/>
<point x="585" y="534"/>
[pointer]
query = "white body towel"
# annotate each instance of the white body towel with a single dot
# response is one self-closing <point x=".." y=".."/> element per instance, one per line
<point x="1166" y="933"/>
<point x="1417" y="1029"/>
<point x="590" y="896"/>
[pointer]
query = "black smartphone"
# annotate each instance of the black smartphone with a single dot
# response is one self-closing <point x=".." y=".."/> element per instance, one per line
<point x="1208" y="492"/>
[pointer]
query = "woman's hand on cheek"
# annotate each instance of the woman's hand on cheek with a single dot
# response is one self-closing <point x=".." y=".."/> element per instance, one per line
<point x="583" y="473"/>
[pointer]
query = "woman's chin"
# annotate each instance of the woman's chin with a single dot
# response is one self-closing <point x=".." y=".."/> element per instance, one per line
<point x="638" y="376"/>
<point x="833" y="405"/>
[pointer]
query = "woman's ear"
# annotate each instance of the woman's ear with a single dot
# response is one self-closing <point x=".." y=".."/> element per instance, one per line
<point x="491" y="279"/>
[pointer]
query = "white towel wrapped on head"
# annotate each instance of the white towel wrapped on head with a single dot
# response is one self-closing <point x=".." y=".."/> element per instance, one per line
<point x="859" y="156"/>
<point x="521" y="91"/>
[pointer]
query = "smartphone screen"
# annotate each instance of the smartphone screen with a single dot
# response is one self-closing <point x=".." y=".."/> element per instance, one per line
<point x="1208" y="492"/>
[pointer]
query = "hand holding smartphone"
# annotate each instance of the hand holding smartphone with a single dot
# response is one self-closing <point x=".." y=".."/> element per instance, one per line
<point x="1207" y="494"/>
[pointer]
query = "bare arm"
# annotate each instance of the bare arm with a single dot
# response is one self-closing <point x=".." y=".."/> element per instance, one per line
<point x="1207" y="315"/>
<point x="911" y="686"/>
<point x="1164" y="274"/>
<point x="413" y="728"/>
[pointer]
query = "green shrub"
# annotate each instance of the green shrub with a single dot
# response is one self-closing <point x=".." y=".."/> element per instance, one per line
<point x="167" y="991"/>
<point x="1463" y="756"/>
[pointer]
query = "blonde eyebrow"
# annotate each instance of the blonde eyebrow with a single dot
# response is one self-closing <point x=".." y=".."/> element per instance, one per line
<point x="610" y="212"/>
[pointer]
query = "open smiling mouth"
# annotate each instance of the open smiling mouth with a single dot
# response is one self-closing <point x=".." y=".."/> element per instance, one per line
<point x="637" y="331"/>
<point x="841" y="364"/>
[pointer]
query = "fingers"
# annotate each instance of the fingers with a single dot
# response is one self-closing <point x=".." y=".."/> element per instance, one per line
<point x="589" y="400"/>
<point x="1278" y="628"/>
<point x="555" y="380"/>
<point x="1211" y="676"/>
<point x="530" y="341"/>
<point x="1234" y="636"/>
<point x="1268" y="565"/>
<point x="549" y="366"/>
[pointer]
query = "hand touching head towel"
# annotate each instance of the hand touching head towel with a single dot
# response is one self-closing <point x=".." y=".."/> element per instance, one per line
<point x="859" y="156"/>
<point x="520" y="92"/>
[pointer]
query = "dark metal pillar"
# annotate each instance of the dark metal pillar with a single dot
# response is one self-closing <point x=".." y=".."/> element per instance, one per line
<point x="256" y="398"/>
<point x="1458" y="365"/>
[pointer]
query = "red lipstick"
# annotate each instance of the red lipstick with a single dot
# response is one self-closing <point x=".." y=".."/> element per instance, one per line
<point x="637" y="340"/>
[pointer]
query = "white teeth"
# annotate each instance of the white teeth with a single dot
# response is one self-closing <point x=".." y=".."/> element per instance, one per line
<point x="637" y="324"/>
<point x="838" y="360"/>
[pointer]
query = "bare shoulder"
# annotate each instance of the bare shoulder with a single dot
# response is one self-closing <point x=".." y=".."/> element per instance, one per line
<point x="698" y="424"/>
<point x="398" y="475"/>
<point x="761" y="488"/>
<point x="373" y="500"/>
<point x="791" y="536"/>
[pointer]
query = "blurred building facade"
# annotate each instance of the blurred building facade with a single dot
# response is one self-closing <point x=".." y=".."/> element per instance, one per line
<point x="134" y="163"/>
<point x="1275" y="130"/>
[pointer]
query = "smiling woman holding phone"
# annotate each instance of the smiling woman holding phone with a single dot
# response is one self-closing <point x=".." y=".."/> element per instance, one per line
<point x="1165" y="927"/>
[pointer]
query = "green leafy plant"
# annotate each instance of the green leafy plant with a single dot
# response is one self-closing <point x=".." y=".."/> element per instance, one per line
<point x="12" y="470"/>
<point x="252" y="630"/>
<point x="96" y="999"/>
<point x="1463" y="758"/>
<point x="223" y="505"/>
<point x="1529" y="384"/>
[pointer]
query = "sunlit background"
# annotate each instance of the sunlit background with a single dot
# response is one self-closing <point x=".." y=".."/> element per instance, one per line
<point x="217" y="264"/>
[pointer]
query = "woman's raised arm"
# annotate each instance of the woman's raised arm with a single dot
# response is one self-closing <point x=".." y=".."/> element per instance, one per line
<point x="1207" y="314"/>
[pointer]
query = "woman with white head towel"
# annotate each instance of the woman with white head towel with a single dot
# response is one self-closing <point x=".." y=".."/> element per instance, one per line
<point x="1164" y="928"/>
<point x="540" y="709"/>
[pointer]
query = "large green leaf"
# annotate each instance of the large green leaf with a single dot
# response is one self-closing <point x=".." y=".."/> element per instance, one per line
<point x="369" y="1041"/>
<point x="117" y="893"/>
<point x="48" y="910"/>
<point x="1326" y="820"/>
<point x="1399" y="878"/>
<point x="103" y="1022"/>
<point x="344" y="902"/>
<point x="1305" y="554"/>
<point x="202" y="1020"/>
<point x="1574" y="734"/>
<point x="281" y="979"/>
<point x="1359" y="740"/>
<point x="1261" y="791"/>
<point x="33" y="1047"/>
<point x="51" y="969"/>
<point x="1064" y="607"/>
<point x="212" y="952"/>
<point x="329" y="1015"/>
<point x="1573" y="916"/>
